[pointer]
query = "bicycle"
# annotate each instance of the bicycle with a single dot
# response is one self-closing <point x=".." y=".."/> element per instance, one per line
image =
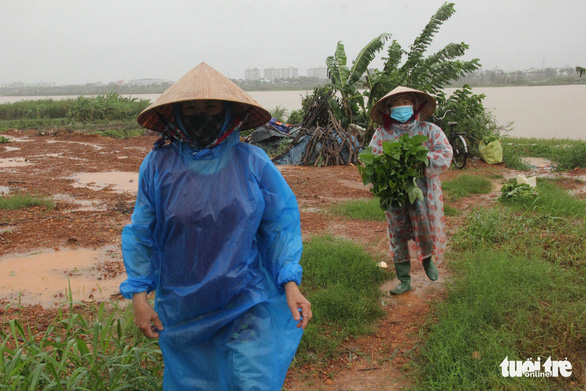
<point x="457" y="140"/>
<point x="459" y="145"/>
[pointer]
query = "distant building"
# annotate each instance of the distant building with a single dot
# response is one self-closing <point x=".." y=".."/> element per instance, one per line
<point x="252" y="74"/>
<point x="281" y="73"/>
<point x="320" y="73"/>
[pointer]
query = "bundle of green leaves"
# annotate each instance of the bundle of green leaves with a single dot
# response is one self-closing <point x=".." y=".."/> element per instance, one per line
<point x="513" y="192"/>
<point x="395" y="171"/>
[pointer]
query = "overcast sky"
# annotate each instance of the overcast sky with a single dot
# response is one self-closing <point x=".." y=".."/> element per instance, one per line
<point x="85" y="41"/>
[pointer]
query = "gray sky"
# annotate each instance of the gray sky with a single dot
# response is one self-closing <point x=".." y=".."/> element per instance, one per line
<point x="84" y="41"/>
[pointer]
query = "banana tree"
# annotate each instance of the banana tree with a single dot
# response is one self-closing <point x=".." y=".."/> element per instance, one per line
<point x="431" y="74"/>
<point x="347" y="81"/>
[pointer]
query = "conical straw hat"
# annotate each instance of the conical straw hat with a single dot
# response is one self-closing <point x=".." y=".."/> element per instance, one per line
<point x="203" y="83"/>
<point x="425" y="104"/>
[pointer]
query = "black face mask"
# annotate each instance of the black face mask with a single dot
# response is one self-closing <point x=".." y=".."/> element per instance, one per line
<point x="203" y="128"/>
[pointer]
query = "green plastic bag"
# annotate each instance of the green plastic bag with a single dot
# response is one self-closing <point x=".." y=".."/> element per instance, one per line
<point x="491" y="152"/>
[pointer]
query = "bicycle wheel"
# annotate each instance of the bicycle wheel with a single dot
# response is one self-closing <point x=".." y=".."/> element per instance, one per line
<point x="460" y="152"/>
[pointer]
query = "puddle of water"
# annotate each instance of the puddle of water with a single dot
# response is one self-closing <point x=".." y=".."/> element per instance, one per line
<point x="46" y="278"/>
<point x="9" y="149"/>
<point x="536" y="162"/>
<point x="97" y="147"/>
<point x="60" y="154"/>
<point x="119" y="181"/>
<point x="14" y="162"/>
<point x="20" y="139"/>
<point x="84" y="205"/>
<point x="4" y="190"/>
<point x="7" y="228"/>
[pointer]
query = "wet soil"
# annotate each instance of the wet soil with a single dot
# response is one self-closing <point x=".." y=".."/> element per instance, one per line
<point x="74" y="248"/>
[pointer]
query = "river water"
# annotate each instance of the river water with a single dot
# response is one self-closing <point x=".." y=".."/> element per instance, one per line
<point x="539" y="111"/>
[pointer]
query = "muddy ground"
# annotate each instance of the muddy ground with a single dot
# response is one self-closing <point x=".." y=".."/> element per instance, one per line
<point x="93" y="180"/>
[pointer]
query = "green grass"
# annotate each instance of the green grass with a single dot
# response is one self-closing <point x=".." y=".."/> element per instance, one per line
<point x="465" y="185"/>
<point x="96" y="349"/>
<point x="449" y="211"/>
<point x="566" y="154"/>
<point x="518" y="292"/>
<point x="539" y="142"/>
<point x="553" y="200"/>
<point x="360" y="210"/>
<point x="21" y="201"/>
<point x="341" y="280"/>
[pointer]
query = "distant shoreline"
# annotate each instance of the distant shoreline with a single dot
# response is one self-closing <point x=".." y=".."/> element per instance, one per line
<point x="81" y="90"/>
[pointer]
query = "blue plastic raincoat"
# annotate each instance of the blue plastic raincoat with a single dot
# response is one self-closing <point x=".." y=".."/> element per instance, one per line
<point x="216" y="233"/>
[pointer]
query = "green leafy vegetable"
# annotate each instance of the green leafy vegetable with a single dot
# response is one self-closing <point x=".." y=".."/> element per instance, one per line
<point x="489" y="139"/>
<point x="395" y="171"/>
<point x="517" y="192"/>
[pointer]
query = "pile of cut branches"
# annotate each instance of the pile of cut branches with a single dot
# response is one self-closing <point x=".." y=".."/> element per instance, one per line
<point x="329" y="144"/>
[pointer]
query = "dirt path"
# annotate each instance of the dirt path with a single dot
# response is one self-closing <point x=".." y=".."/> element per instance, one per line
<point x="93" y="182"/>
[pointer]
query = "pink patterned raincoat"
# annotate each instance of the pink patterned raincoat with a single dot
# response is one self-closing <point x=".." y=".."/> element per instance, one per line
<point x="422" y="223"/>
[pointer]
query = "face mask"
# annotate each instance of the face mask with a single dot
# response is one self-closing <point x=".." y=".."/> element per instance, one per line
<point x="401" y="113"/>
<point x="203" y="128"/>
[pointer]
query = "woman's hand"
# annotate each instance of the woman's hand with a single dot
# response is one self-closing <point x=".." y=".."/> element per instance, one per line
<point x="145" y="317"/>
<point x="298" y="304"/>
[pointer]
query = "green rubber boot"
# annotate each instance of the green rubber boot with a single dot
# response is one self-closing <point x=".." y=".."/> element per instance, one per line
<point x="430" y="269"/>
<point x="402" y="270"/>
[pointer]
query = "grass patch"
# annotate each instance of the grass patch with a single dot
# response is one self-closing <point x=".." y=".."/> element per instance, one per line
<point x="552" y="200"/>
<point x="465" y="185"/>
<point x="341" y="280"/>
<point x="97" y="349"/>
<point x="43" y="123"/>
<point x="566" y="154"/>
<point x="21" y="201"/>
<point x="478" y="324"/>
<point x="519" y="293"/>
<point x="360" y="210"/>
<point x="571" y="157"/>
<point x="449" y="211"/>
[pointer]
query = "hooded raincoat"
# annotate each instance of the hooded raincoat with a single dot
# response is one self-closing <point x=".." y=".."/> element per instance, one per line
<point x="216" y="234"/>
<point x="423" y="221"/>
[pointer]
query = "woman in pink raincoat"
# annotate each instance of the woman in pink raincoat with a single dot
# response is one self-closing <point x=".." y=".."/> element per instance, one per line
<point x="419" y="225"/>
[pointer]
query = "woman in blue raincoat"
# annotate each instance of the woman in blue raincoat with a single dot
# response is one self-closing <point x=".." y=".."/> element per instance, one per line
<point x="215" y="233"/>
<point x="420" y="225"/>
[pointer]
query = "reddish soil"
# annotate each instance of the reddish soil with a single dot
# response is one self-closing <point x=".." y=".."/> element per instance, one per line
<point x="376" y="362"/>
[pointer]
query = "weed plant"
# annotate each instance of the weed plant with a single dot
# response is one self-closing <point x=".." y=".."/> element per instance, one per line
<point x="35" y="109"/>
<point x="465" y="185"/>
<point x="43" y="123"/>
<point x="360" y="210"/>
<point x="50" y="113"/>
<point x="512" y="158"/>
<point x="280" y="113"/>
<point x="519" y="294"/>
<point x="109" y="107"/>
<point x="94" y="349"/>
<point x="571" y="157"/>
<point x="341" y="280"/>
<point x="21" y="201"/>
